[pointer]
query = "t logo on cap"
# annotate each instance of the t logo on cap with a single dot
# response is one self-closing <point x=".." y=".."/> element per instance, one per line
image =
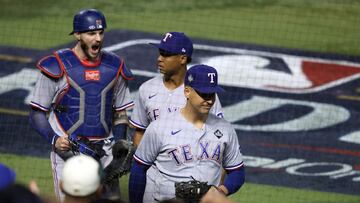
<point x="211" y="75"/>
<point x="167" y="35"/>
<point x="175" y="43"/>
<point x="198" y="77"/>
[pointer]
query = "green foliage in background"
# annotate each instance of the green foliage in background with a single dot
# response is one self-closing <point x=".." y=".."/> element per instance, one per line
<point x="249" y="193"/>
<point x="330" y="26"/>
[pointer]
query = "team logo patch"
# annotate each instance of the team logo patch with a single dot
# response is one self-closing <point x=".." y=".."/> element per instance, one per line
<point x="218" y="134"/>
<point x="99" y="24"/>
<point x="92" y="75"/>
<point x="190" y="78"/>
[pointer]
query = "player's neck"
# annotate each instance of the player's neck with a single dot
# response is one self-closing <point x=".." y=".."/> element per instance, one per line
<point x="174" y="81"/>
<point x="193" y="117"/>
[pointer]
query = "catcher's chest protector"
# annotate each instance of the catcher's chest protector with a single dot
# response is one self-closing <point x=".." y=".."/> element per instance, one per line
<point x="85" y="108"/>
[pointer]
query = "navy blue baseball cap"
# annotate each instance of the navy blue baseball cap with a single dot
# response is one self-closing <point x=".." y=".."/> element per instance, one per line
<point x="176" y="43"/>
<point x="7" y="176"/>
<point x="203" y="79"/>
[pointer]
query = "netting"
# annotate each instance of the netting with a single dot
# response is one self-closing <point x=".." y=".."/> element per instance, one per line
<point x="290" y="71"/>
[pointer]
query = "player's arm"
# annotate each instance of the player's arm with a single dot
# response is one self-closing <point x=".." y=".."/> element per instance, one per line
<point x="144" y="157"/>
<point x="214" y="196"/>
<point x="137" y="182"/>
<point x="139" y="133"/>
<point x="122" y="102"/>
<point x="233" y="181"/>
<point x="120" y="125"/>
<point x="139" y="119"/>
<point x="39" y="121"/>
<point x="43" y="94"/>
<point x="233" y="164"/>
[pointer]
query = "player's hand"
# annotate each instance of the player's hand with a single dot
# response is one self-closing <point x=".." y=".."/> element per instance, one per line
<point x="214" y="196"/>
<point x="62" y="143"/>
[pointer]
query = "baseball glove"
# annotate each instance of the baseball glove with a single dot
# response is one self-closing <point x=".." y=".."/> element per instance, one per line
<point x="191" y="191"/>
<point x="122" y="152"/>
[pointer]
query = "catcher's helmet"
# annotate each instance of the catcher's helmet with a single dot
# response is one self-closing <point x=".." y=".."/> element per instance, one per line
<point x="87" y="20"/>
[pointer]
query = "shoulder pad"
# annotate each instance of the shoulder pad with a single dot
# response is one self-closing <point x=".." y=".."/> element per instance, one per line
<point x="50" y="66"/>
<point x="114" y="60"/>
<point x="126" y="72"/>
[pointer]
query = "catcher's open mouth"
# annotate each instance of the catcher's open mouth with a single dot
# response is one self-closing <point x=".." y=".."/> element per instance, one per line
<point x="95" y="47"/>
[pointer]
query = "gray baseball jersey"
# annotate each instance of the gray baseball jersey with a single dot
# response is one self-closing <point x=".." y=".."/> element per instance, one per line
<point x="154" y="99"/>
<point x="178" y="151"/>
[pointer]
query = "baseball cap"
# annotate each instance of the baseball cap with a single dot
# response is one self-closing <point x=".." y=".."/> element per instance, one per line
<point x="203" y="79"/>
<point x="7" y="176"/>
<point x="175" y="43"/>
<point x="81" y="176"/>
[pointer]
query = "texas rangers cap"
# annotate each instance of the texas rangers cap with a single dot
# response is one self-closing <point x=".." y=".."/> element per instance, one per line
<point x="7" y="176"/>
<point x="176" y="43"/>
<point x="203" y="79"/>
<point x="81" y="176"/>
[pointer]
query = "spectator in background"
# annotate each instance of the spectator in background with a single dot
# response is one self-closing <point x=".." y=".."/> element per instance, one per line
<point x="7" y="176"/>
<point x="17" y="193"/>
<point x="11" y="192"/>
<point x="81" y="179"/>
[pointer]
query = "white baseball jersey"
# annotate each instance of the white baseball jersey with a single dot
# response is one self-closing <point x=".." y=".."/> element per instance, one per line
<point x="178" y="151"/>
<point x="154" y="99"/>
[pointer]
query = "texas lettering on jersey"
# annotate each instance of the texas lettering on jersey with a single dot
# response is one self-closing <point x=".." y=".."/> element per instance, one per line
<point x="154" y="114"/>
<point x="206" y="151"/>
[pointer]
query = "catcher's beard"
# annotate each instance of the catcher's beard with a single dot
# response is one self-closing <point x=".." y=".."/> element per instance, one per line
<point x="85" y="48"/>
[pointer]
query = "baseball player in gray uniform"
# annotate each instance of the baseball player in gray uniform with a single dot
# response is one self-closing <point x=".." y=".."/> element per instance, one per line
<point x="165" y="94"/>
<point x="188" y="144"/>
<point x="83" y="89"/>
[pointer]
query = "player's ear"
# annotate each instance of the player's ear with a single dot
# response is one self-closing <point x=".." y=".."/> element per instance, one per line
<point x="183" y="59"/>
<point x="77" y="36"/>
<point x="187" y="91"/>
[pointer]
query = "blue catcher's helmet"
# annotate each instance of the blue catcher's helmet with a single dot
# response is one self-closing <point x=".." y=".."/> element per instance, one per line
<point x="87" y="20"/>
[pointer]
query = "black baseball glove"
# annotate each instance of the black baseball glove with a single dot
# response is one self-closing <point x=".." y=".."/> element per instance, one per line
<point x="191" y="191"/>
<point x="122" y="152"/>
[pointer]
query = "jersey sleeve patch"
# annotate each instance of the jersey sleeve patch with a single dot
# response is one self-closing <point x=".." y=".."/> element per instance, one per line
<point x="50" y="66"/>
